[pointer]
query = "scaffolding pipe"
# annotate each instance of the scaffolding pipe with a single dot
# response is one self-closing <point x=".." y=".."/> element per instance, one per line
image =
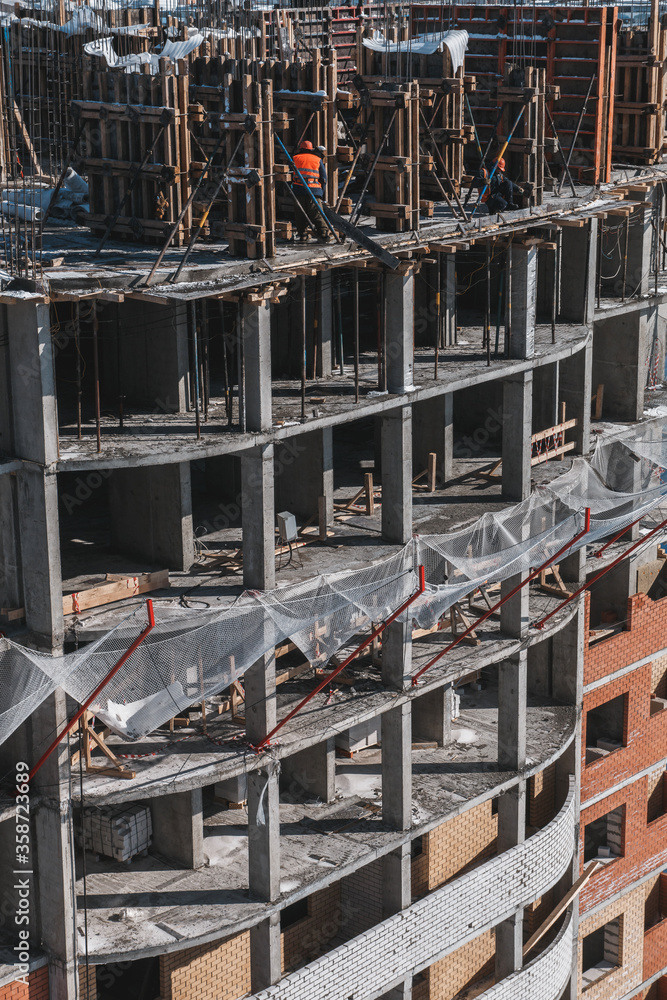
<point x="602" y="572"/>
<point x="88" y="702"/>
<point x="504" y="600"/>
<point x="348" y="659"/>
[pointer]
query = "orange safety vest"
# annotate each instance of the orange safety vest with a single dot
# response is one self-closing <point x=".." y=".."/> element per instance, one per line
<point x="308" y="165"/>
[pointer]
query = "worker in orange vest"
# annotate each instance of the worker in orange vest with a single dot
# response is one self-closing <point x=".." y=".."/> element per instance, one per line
<point x="311" y="168"/>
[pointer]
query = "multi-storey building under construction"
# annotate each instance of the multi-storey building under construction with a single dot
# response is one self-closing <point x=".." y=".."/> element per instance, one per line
<point x="333" y="587"/>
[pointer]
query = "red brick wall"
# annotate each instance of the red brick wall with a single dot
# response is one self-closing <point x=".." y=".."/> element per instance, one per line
<point x="644" y="845"/>
<point x="645" y="633"/>
<point x="645" y="736"/>
<point x="37" y="988"/>
<point x="629" y="975"/>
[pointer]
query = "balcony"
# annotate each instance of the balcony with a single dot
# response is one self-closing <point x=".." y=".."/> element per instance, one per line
<point x="442" y="921"/>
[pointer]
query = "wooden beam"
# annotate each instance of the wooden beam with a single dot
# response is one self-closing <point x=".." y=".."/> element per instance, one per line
<point x="561" y="907"/>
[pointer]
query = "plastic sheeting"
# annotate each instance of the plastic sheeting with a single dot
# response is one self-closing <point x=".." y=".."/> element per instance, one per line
<point x="191" y="655"/>
<point x="424" y="45"/>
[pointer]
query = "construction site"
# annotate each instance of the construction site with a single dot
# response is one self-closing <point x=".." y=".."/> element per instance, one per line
<point x="333" y="527"/>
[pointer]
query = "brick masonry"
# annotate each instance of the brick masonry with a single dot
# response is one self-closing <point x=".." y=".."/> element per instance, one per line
<point x="217" y="972"/>
<point x="630" y="907"/>
<point x="36" y="989"/>
<point x="306" y="938"/>
<point x="465" y="966"/>
<point x="448" y="918"/>
<point x="644" y="839"/>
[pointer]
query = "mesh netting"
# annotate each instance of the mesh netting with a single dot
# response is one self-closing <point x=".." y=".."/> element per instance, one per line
<point x="191" y="655"/>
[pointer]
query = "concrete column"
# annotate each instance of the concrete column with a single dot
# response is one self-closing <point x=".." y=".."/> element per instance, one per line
<point x="145" y="355"/>
<point x="260" y="711"/>
<point x="449" y="298"/>
<point x="150" y="513"/>
<point x="517" y="424"/>
<point x="523" y="300"/>
<point x="432" y="715"/>
<point x="397" y="655"/>
<point x="258" y="518"/>
<point x="33" y="392"/>
<point x="397" y="767"/>
<point x="313" y="770"/>
<point x="640" y="239"/>
<point x="512" y="691"/>
<point x="10" y="576"/>
<point x="35" y="438"/>
<point x="433" y="431"/>
<point x="546" y="395"/>
<point x="324" y="323"/>
<point x="568" y="683"/>
<point x="37" y="493"/>
<point x="397" y="475"/>
<point x="257" y="355"/>
<point x="304" y="473"/>
<point x="178" y="827"/>
<point x="512" y="681"/>
<point x="396" y="896"/>
<point x="53" y="921"/>
<point x="265" y="963"/>
<point x="576" y="390"/>
<point x="577" y="272"/>
<point x="400" y="330"/>
<point x="620" y="350"/>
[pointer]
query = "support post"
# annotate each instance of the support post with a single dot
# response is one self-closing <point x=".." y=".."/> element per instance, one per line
<point x="577" y="273"/>
<point x="397" y="475"/>
<point x="399" y="299"/>
<point x="576" y="390"/>
<point x="433" y="431"/>
<point x="517" y="425"/>
<point x="257" y="354"/>
<point x="304" y="473"/>
<point x="523" y="296"/>
<point x="512" y="691"/>
<point x="150" y="512"/>
<point x="324" y="319"/>
<point x="178" y="827"/>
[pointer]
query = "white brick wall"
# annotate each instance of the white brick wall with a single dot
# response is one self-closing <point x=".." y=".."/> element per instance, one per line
<point x="370" y="964"/>
<point x="545" y="977"/>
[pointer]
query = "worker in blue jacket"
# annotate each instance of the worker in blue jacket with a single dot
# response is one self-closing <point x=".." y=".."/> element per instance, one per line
<point x="311" y="168"/>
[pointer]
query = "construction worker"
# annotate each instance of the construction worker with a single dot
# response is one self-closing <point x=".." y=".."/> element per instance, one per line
<point x="311" y="168"/>
<point x="501" y="189"/>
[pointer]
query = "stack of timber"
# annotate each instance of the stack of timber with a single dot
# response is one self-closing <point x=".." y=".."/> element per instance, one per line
<point x="126" y="117"/>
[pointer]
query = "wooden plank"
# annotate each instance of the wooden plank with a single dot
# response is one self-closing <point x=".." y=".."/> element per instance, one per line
<point x="551" y="431"/>
<point x="553" y="453"/>
<point x="117" y="590"/>
<point x="562" y="906"/>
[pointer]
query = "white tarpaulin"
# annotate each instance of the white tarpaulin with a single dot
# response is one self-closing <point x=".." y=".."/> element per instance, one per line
<point x="424" y="45"/>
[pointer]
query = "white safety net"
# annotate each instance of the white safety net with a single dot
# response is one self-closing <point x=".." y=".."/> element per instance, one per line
<point x="191" y="655"/>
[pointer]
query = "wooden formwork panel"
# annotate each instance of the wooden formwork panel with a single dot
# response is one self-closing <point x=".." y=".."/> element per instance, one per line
<point x="639" y="107"/>
<point x="569" y="43"/>
<point x="126" y="115"/>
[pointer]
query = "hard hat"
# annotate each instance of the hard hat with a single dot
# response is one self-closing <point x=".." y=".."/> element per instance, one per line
<point x="501" y="164"/>
<point x="306" y="144"/>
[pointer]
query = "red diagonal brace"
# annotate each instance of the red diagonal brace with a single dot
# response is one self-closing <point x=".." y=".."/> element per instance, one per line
<point x="323" y="683"/>
<point x="114" y="670"/>
<point x="602" y="572"/>
<point x="619" y="535"/>
<point x="503" y="600"/>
